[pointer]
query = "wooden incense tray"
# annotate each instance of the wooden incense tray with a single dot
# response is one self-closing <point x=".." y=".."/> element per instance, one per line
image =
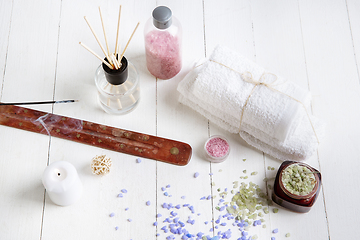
<point x="97" y="135"/>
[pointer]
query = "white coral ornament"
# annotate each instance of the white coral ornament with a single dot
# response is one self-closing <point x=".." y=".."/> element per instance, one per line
<point x="101" y="165"/>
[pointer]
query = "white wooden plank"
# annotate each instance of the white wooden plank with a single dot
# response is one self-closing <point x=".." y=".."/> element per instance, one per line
<point x="230" y="24"/>
<point x="29" y="75"/>
<point x="330" y="61"/>
<point x="179" y="122"/>
<point x="75" y="79"/>
<point x="5" y="13"/>
<point x="279" y="48"/>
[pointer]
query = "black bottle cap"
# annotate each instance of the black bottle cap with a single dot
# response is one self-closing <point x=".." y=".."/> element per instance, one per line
<point x="117" y="76"/>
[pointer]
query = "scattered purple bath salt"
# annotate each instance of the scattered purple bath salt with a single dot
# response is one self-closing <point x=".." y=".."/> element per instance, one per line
<point x="167" y="186"/>
<point x="120" y="195"/>
<point x="163" y="54"/>
<point x="183" y="197"/>
<point x="112" y="214"/>
<point x="148" y="203"/>
<point x="129" y="220"/>
<point x="123" y="190"/>
<point x="116" y="228"/>
<point x="196" y="175"/>
<point x="138" y="160"/>
<point x="275" y="230"/>
<point x="158" y="215"/>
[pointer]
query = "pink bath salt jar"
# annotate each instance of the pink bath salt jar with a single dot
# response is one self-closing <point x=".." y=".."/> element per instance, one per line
<point x="217" y="149"/>
<point x="163" y="37"/>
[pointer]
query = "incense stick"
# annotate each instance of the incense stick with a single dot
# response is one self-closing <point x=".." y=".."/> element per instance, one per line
<point x="37" y="103"/>
<point x="91" y="51"/>
<point x="97" y="39"/>
<point x="117" y="33"/>
<point x="127" y="44"/>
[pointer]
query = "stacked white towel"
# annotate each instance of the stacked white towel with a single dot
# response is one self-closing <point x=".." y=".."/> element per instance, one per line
<point x="272" y="120"/>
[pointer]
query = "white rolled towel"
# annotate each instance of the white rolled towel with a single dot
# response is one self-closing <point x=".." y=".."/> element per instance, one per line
<point x="274" y="119"/>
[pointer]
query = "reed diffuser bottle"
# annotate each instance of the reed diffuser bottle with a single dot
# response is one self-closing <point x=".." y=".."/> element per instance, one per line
<point x="116" y="79"/>
<point x="163" y="37"/>
<point x="118" y="89"/>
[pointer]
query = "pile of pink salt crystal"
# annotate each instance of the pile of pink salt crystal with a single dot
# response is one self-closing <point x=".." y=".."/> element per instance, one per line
<point x="217" y="147"/>
<point x="163" y="54"/>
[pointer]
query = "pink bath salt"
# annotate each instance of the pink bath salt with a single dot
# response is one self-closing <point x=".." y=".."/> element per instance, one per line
<point x="163" y="54"/>
<point x="217" y="147"/>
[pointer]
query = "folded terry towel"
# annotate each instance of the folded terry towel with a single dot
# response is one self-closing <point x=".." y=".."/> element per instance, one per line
<point x="272" y="120"/>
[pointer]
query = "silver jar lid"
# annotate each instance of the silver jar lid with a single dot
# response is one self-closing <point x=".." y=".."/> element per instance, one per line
<point x="162" y="17"/>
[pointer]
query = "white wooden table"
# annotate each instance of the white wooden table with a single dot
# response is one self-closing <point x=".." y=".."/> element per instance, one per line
<point x="313" y="43"/>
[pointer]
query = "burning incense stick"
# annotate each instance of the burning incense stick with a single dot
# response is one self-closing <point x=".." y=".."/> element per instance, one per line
<point x="38" y="103"/>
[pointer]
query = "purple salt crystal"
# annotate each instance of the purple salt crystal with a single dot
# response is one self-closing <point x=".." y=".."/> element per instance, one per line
<point x="155" y="223"/>
<point x="196" y="175"/>
<point x="183" y="197"/>
<point x="123" y="190"/>
<point x="178" y="206"/>
<point x="148" y="203"/>
<point x="120" y="195"/>
<point x="209" y="197"/>
<point x="158" y="215"/>
<point x="167" y="186"/>
<point x="138" y="160"/>
<point x="112" y="214"/>
<point x="163" y="189"/>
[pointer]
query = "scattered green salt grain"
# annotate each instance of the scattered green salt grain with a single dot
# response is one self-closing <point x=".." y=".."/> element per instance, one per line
<point x="266" y="210"/>
<point x="287" y="235"/>
<point x="254" y="173"/>
<point x="254" y="237"/>
<point x="220" y="170"/>
<point x="264" y="226"/>
<point x="244" y="171"/>
<point x="244" y="159"/>
<point x="246" y="177"/>
<point x="265" y="179"/>
<point x="272" y="169"/>
<point x="275" y="210"/>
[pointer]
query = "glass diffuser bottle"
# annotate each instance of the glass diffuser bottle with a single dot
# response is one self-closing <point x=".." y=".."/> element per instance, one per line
<point x="118" y="89"/>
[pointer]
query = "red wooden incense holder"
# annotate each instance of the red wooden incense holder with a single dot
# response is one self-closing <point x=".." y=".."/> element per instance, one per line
<point x="97" y="135"/>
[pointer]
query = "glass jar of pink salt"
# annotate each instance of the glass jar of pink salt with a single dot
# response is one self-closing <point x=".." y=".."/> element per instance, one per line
<point x="217" y="149"/>
<point x="163" y="38"/>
